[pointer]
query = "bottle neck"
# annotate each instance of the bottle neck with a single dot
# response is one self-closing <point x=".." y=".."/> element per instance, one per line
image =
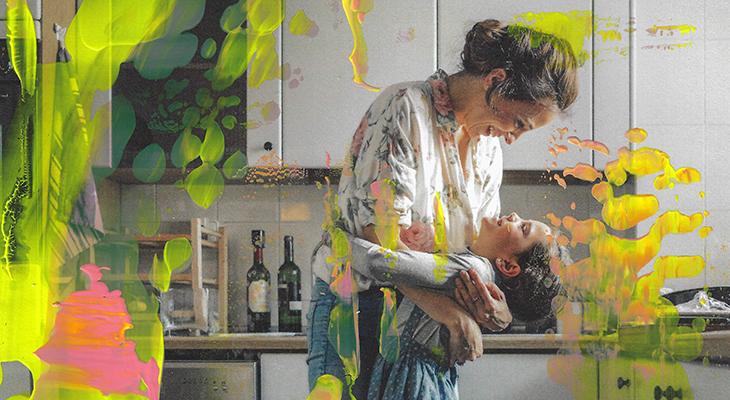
<point x="258" y="255"/>
<point x="289" y="252"/>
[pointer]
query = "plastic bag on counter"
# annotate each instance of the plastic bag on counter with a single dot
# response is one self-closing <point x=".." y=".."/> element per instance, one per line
<point x="702" y="303"/>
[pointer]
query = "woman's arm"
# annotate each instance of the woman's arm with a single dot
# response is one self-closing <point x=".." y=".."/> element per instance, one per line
<point x="465" y="339"/>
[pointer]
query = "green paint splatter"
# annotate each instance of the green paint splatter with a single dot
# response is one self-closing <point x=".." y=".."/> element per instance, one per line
<point x="149" y="164"/>
<point x="213" y="145"/>
<point x="229" y="122"/>
<point x="186" y="149"/>
<point x="208" y="49"/>
<point x="236" y="166"/>
<point x="204" y="185"/>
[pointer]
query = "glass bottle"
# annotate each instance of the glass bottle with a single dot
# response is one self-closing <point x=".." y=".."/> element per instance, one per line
<point x="290" y="291"/>
<point x="259" y="313"/>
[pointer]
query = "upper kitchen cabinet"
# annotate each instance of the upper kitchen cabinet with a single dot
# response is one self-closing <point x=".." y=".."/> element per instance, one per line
<point x="263" y="89"/>
<point x="531" y="152"/>
<point x="611" y="76"/>
<point x="322" y="105"/>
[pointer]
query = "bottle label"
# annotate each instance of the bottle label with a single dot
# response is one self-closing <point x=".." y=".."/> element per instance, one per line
<point x="295" y="305"/>
<point x="258" y="296"/>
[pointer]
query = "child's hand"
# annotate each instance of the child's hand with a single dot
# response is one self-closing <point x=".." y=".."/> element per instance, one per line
<point x="465" y="339"/>
<point x="485" y="302"/>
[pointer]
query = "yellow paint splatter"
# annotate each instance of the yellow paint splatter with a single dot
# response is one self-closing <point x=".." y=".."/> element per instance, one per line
<point x="611" y="35"/>
<point x="702" y="194"/>
<point x="327" y="387"/>
<point x="300" y="25"/>
<point x="355" y="11"/>
<point x="669" y="30"/>
<point x="575" y="27"/>
<point x="636" y="135"/>
<point x="615" y="211"/>
<point x="554" y="220"/>
<point x="705" y="231"/>
<point x="560" y="181"/>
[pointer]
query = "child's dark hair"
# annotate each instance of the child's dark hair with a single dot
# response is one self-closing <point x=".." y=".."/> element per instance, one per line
<point x="530" y="294"/>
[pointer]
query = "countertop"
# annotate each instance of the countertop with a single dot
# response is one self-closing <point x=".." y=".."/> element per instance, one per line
<point x="715" y="344"/>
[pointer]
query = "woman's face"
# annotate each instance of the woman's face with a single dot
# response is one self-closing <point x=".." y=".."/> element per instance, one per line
<point x="506" y="118"/>
<point x="509" y="236"/>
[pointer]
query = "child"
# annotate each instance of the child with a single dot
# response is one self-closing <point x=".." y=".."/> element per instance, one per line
<point x="509" y="251"/>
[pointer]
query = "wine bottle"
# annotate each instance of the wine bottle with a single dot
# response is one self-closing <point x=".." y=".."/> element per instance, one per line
<point x="290" y="291"/>
<point x="259" y="313"/>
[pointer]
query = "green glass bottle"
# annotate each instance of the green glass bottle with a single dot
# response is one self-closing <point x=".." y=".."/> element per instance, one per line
<point x="290" y="291"/>
<point x="259" y="313"/>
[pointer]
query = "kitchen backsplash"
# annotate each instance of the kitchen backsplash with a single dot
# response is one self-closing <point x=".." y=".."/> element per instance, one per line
<point x="297" y="210"/>
<point x="284" y="210"/>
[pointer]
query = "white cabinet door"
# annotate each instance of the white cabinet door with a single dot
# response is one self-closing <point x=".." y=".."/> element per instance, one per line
<point x="263" y="116"/>
<point x="708" y="382"/>
<point x="611" y="77"/>
<point x="321" y="104"/>
<point x="511" y="377"/>
<point x="455" y="19"/>
<point x="284" y="376"/>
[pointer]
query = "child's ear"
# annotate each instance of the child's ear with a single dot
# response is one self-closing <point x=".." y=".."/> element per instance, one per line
<point x="508" y="269"/>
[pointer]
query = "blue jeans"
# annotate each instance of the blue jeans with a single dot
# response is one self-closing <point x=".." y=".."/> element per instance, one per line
<point x="322" y="357"/>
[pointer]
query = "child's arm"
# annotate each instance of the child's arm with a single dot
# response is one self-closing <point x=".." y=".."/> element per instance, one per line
<point x="414" y="268"/>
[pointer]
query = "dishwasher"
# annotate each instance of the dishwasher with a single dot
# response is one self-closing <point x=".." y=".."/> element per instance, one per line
<point x="209" y="380"/>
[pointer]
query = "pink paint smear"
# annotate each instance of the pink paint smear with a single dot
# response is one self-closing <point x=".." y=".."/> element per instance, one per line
<point x="87" y="347"/>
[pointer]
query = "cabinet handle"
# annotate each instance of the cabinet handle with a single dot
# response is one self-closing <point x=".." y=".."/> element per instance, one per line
<point x="268" y="146"/>
<point x="669" y="393"/>
<point x="621" y="382"/>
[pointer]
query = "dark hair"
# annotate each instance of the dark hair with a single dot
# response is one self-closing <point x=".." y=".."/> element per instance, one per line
<point x="540" y="67"/>
<point x="530" y="294"/>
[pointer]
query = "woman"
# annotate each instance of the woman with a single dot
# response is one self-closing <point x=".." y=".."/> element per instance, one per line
<point x="441" y="138"/>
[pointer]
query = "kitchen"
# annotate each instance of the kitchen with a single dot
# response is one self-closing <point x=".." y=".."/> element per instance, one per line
<point x="664" y="72"/>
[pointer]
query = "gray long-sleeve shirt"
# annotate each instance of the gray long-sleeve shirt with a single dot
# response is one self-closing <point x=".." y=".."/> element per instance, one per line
<point x="373" y="264"/>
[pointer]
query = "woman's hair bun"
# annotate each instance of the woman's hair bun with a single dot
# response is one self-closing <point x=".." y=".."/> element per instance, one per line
<point x="482" y="50"/>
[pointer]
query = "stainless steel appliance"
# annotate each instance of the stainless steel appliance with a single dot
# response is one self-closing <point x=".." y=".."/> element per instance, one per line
<point x="209" y="380"/>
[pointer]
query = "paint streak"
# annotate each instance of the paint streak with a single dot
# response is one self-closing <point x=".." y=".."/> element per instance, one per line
<point x="583" y="172"/>
<point x="611" y="35"/>
<point x="670" y="30"/>
<point x="355" y="11"/>
<point x="575" y="27"/>
<point x="389" y="345"/>
<point x="301" y="25"/>
<point x="88" y="347"/>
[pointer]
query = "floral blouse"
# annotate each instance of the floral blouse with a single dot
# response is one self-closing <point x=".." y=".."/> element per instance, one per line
<point x="408" y="135"/>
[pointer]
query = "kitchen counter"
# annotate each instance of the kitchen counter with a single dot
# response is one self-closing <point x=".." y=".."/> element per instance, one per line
<point x="716" y="344"/>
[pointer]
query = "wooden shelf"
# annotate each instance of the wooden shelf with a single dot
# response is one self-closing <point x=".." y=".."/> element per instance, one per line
<point x="159" y="240"/>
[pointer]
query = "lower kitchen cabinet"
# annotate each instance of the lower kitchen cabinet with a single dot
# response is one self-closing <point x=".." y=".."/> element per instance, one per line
<point x="283" y="376"/>
<point x="512" y="377"/>
<point x="616" y="379"/>
<point x="623" y="378"/>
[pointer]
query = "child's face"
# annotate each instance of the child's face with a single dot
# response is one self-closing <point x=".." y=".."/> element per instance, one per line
<point x="510" y="235"/>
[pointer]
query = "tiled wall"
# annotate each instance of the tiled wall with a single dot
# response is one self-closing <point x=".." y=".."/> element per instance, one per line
<point x="291" y="210"/>
<point x="682" y="100"/>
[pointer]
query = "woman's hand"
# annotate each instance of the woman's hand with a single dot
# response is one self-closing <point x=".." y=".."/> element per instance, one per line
<point x="465" y="339"/>
<point x="485" y="302"/>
